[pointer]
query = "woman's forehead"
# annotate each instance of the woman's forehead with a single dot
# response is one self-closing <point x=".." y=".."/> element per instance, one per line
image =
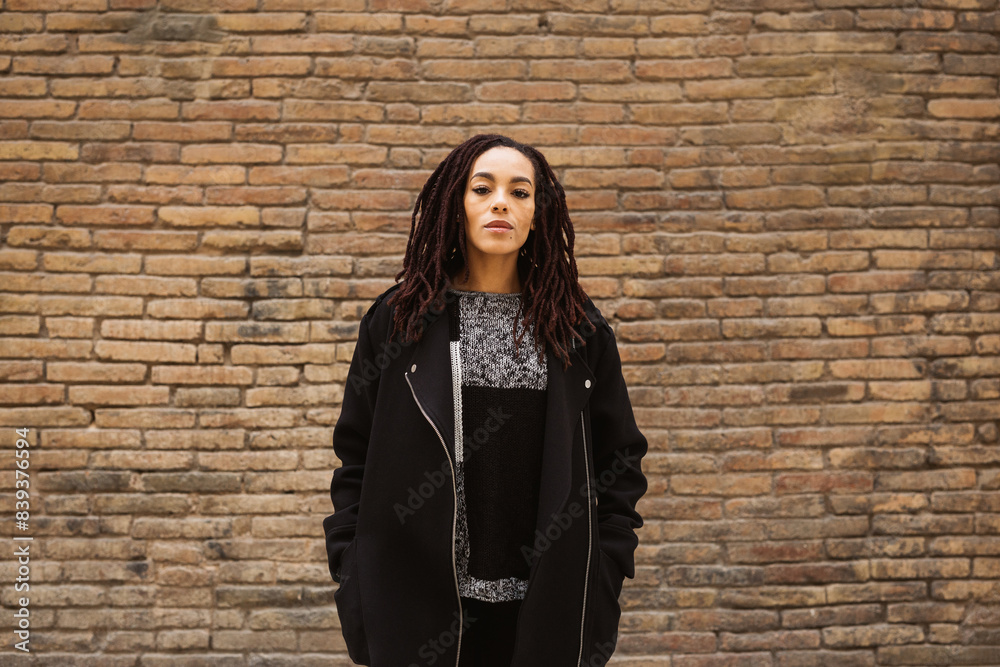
<point x="502" y="162"/>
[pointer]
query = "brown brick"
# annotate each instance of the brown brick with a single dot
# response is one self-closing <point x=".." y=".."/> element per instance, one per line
<point x="816" y="392"/>
<point x="767" y="198"/>
<point x="876" y="546"/>
<point x="878" y="239"/>
<point x="878" y="502"/>
<point x="786" y="639"/>
<point x="872" y="326"/>
<point x="871" y="281"/>
<point x="878" y="368"/>
<point x="916" y="259"/>
<point x="876" y="412"/>
<point x="900" y="391"/>
<point x="822" y="482"/>
<point x="872" y="457"/>
<point x="963" y="108"/>
<point x="725" y="485"/>
<point x="933" y="346"/>
<point x="818" y="349"/>
<point x="822" y="262"/>
<point x="911" y="568"/>
<point x="875" y="591"/>
<point x="861" y="614"/>
<point x="816" y="305"/>
<point x="872" y="635"/>
<point x="784" y="551"/>
<point x="923" y="612"/>
<point x="775" y="461"/>
<point x="765" y="328"/>
<point x="966" y="323"/>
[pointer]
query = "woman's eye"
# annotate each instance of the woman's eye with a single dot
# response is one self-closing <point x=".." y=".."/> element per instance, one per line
<point x="519" y="193"/>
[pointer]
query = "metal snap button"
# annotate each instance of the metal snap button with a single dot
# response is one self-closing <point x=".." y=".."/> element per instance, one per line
<point x="587" y="384"/>
<point x="413" y="368"/>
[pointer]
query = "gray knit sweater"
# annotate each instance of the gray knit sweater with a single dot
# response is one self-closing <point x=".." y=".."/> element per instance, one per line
<point x="500" y="412"/>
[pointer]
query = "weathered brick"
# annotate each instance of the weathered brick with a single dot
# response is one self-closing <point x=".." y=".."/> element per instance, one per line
<point x="860" y="614"/>
<point x="878" y="368"/>
<point x="878" y="502"/>
<point x="873" y="326"/>
<point x="875" y="591"/>
<point x="872" y="635"/>
<point x="877" y="457"/>
<point x="822" y="482"/>
<point x="876" y="546"/>
<point x="872" y="281"/>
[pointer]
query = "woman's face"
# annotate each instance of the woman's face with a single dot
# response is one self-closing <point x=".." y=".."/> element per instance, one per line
<point x="501" y="188"/>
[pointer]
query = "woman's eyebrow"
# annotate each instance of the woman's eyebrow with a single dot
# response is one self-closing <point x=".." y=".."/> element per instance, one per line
<point x="516" y="179"/>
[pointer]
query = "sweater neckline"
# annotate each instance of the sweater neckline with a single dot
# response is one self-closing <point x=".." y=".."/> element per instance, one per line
<point x="496" y="294"/>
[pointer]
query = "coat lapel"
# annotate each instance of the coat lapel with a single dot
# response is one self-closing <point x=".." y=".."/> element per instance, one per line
<point x="430" y="375"/>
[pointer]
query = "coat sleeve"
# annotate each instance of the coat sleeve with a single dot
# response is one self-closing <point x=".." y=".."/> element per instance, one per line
<point x="350" y="444"/>
<point x="618" y="448"/>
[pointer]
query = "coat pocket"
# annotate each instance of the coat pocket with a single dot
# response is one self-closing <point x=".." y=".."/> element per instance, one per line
<point x="348" y="599"/>
<point x="605" y="612"/>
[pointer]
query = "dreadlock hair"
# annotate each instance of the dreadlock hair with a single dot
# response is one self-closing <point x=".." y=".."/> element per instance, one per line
<point x="550" y="291"/>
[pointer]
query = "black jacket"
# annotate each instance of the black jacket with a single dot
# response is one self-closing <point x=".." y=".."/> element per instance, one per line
<point x="390" y="540"/>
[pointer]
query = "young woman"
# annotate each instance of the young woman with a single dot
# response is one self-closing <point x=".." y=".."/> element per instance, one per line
<point x="484" y="511"/>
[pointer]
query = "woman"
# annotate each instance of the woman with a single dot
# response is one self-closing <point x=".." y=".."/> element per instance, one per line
<point x="510" y="548"/>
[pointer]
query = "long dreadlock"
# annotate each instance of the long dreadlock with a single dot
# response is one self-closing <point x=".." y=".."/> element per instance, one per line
<point x="436" y="248"/>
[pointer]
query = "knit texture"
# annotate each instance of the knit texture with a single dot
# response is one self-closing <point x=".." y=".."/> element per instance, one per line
<point x="500" y="402"/>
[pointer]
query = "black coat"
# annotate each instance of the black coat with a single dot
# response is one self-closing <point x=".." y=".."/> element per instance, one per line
<point x="390" y="539"/>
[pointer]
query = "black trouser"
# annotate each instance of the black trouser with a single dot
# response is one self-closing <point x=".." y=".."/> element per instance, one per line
<point x="488" y="632"/>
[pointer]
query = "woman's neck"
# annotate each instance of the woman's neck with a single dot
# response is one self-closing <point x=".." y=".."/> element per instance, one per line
<point x="491" y="283"/>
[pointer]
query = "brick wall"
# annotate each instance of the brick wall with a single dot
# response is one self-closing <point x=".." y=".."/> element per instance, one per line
<point x="788" y="210"/>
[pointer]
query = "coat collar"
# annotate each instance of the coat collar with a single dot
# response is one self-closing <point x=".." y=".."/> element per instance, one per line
<point x="430" y="375"/>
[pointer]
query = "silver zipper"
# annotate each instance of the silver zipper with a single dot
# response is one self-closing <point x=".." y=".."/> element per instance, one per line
<point x="590" y="539"/>
<point x="454" y="518"/>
